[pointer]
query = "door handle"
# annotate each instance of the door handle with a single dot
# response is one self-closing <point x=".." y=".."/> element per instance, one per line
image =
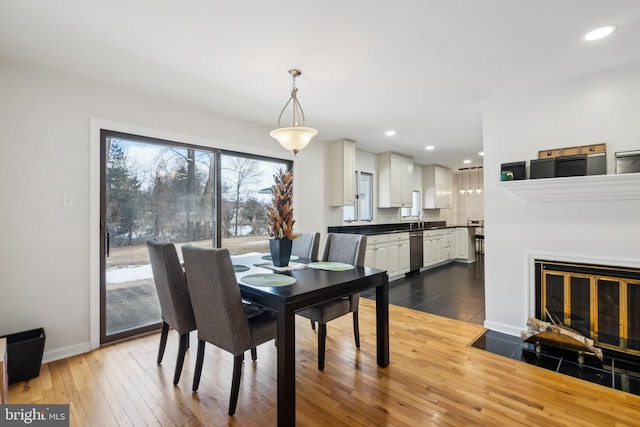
<point x="107" y="244"/>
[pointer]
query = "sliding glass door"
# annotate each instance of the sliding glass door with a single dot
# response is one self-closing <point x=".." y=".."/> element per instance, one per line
<point x="151" y="189"/>
<point x="172" y="192"/>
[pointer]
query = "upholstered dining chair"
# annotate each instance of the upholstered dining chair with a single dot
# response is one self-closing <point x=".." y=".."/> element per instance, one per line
<point x="175" y="303"/>
<point x="219" y="312"/>
<point x="348" y="249"/>
<point x="306" y="245"/>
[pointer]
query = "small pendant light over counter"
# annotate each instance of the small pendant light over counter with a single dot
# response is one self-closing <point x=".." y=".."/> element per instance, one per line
<point x="295" y="136"/>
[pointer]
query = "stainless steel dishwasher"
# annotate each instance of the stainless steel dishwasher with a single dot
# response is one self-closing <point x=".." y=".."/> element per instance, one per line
<point x="415" y="250"/>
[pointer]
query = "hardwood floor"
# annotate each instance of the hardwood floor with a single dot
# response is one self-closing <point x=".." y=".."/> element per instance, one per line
<point x="435" y="378"/>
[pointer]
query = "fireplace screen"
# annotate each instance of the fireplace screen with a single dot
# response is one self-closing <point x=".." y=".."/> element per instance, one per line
<point x="600" y="302"/>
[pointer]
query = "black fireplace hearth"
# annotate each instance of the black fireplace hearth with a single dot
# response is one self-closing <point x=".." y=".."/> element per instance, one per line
<point x="620" y="371"/>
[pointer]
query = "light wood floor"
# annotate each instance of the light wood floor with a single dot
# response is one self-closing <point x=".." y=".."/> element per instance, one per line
<point x="434" y="378"/>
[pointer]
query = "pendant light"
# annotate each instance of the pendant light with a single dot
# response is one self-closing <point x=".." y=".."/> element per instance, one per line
<point x="478" y="189"/>
<point x="295" y="136"/>
<point x="462" y="189"/>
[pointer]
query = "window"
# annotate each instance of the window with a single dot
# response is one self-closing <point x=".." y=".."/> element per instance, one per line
<point x="414" y="210"/>
<point x="362" y="209"/>
<point x="246" y="182"/>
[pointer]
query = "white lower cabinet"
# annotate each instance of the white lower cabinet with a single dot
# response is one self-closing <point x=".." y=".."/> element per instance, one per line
<point x="405" y="254"/>
<point x="388" y="252"/>
<point x="429" y="245"/>
<point x="465" y="244"/>
<point x="391" y="252"/>
<point x="447" y="245"/>
<point x="437" y="246"/>
<point x="377" y="252"/>
<point x="398" y="254"/>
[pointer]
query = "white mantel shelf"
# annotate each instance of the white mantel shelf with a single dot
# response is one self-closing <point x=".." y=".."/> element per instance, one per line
<point x="576" y="188"/>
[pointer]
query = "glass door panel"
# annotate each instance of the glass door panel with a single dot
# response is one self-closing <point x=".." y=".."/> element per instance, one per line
<point x="608" y="312"/>
<point x="246" y="192"/>
<point x="633" y="315"/>
<point x="151" y="189"/>
<point x="580" y="300"/>
<point x="553" y="298"/>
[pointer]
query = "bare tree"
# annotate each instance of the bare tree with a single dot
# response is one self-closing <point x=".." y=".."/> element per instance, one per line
<point x="242" y="173"/>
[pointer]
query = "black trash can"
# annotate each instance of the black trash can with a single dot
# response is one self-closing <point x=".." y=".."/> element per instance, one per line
<point x="24" y="354"/>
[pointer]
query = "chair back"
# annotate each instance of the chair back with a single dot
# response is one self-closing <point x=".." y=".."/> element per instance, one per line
<point x="306" y="246"/>
<point x="216" y="298"/>
<point x="346" y="248"/>
<point x="478" y="224"/>
<point x="171" y="286"/>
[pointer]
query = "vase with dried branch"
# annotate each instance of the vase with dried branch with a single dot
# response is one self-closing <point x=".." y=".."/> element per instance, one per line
<point x="281" y="220"/>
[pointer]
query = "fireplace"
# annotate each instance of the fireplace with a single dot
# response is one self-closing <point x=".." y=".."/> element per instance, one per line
<point x="601" y="302"/>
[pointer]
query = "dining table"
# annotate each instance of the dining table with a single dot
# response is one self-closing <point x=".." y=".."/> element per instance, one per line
<point x="303" y="285"/>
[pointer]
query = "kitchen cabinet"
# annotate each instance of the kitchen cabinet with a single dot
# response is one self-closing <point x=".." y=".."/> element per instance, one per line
<point x="437" y="246"/>
<point x="398" y="254"/>
<point x="446" y="245"/>
<point x="395" y="180"/>
<point x="465" y="248"/>
<point x="429" y="250"/>
<point x="342" y="173"/>
<point x="377" y="252"/>
<point x="405" y="255"/>
<point x="388" y="252"/>
<point x="437" y="186"/>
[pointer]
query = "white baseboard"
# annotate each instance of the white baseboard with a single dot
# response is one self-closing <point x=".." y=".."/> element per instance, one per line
<point x="503" y="328"/>
<point x="64" y="352"/>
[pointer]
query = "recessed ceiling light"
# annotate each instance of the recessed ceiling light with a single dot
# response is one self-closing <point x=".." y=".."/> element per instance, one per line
<point x="481" y="153"/>
<point x="390" y="133"/>
<point x="429" y="147"/>
<point x="466" y="162"/>
<point x="599" y="33"/>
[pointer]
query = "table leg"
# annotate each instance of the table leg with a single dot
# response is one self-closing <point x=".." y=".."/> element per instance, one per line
<point x="286" y="367"/>
<point x="382" y="323"/>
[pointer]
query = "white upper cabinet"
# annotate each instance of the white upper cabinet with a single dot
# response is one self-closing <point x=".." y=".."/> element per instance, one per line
<point x="437" y="183"/>
<point x="395" y="180"/>
<point x="342" y="172"/>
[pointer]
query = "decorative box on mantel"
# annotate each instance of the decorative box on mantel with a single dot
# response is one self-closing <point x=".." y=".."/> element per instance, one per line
<point x="576" y="188"/>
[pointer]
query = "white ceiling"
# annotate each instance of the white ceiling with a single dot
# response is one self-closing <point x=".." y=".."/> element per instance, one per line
<point x="421" y="67"/>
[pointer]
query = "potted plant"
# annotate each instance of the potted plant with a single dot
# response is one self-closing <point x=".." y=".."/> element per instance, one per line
<point x="281" y="218"/>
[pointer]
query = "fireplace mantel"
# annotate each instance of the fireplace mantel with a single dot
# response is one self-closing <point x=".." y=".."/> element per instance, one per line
<point x="576" y="188"/>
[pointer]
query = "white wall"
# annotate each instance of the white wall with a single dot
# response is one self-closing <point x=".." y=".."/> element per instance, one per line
<point x="48" y="274"/>
<point x="594" y="109"/>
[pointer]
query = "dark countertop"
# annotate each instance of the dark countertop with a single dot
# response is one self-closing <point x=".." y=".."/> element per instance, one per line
<point x="402" y="227"/>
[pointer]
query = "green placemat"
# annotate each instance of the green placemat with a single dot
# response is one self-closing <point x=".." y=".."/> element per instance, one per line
<point x="240" y="268"/>
<point x="292" y="258"/>
<point x="268" y="279"/>
<point x="331" y="266"/>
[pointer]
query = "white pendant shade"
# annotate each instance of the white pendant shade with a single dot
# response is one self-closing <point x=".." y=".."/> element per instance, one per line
<point x="293" y="138"/>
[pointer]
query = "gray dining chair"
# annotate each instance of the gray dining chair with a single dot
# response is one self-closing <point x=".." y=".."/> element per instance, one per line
<point x="349" y="249"/>
<point x="175" y="303"/>
<point x="220" y="315"/>
<point x="306" y="245"/>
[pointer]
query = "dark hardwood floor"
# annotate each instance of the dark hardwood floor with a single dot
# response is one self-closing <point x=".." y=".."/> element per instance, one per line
<point x="455" y="290"/>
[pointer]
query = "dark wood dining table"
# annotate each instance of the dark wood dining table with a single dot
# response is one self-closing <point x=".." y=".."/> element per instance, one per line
<point x="312" y="287"/>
